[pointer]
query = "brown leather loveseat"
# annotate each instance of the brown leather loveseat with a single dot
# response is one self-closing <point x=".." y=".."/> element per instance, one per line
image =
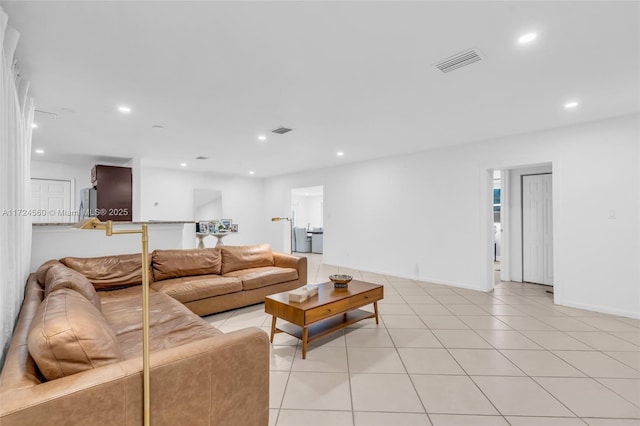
<point x="75" y="355"/>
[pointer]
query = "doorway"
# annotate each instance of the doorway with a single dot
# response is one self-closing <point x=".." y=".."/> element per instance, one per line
<point x="307" y="219"/>
<point x="537" y="229"/>
<point x="497" y="224"/>
<point x="509" y="254"/>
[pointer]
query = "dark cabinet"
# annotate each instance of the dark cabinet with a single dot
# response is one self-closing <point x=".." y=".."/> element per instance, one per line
<point x="113" y="192"/>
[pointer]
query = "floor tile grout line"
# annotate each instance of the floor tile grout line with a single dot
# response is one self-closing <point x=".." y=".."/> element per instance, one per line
<point x="623" y="363"/>
<point x="346" y="355"/>
<point x="284" y="392"/>
<point x="636" y="403"/>
<point x="413" y="385"/>
<point x="525" y="375"/>
<point x="470" y="378"/>
<point x="607" y="333"/>
<point x="525" y="313"/>
<point x="532" y="379"/>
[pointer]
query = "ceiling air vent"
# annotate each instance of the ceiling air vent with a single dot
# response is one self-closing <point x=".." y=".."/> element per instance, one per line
<point x="46" y="114"/>
<point x="459" y="60"/>
<point x="281" y="130"/>
<point x="200" y="157"/>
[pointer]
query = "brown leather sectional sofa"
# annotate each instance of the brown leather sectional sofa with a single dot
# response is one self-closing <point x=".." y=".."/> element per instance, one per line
<point x="75" y="355"/>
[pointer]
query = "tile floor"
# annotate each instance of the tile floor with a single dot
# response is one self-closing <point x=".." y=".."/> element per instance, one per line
<point x="449" y="356"/>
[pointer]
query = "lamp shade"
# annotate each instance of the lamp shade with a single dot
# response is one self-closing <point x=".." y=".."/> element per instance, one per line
<point x="278" y="219"/>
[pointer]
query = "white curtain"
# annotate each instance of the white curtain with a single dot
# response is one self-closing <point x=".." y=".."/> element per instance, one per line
<point x="16" y="119"/>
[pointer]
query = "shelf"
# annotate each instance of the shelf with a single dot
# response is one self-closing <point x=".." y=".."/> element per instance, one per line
<point x="327" y="326"/>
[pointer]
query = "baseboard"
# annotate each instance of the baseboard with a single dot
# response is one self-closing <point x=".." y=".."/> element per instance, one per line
<point x="570" y="304"/>
<point x="601" y="309"/>
<point x="423" y="279"/>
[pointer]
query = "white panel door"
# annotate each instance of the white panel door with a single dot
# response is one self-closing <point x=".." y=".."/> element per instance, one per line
<point x="51" y="199"/>
<point x="537" y="229"/>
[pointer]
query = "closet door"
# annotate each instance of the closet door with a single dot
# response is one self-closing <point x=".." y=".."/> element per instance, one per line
<point x="537" y="229"/>
<point x="53" y="198"/>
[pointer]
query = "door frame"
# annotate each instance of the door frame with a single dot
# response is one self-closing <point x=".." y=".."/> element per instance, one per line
<point x="487" y="200"/>
<point x="510" y="232"/>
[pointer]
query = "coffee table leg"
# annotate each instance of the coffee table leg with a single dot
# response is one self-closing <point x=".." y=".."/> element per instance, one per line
<point x="375" y="308"/>
<point x="305" y="335"/>
<point x="273" y="327"/>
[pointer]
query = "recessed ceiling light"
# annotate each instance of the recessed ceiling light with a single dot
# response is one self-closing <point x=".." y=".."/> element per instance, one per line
<point x="39" y="151"/>
<point x="339" y="153"/>
<point x="34" y="126"/>
<point x="571" y="105"/>
<point x="527" y="38"/>
<point x="183" y="164"/>
<point x="262" y="138"/>
<point x="124" y="109"/>
<point x="251" y="172"/>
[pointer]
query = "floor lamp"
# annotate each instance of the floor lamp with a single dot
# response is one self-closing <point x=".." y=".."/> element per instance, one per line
<point x="94" y="223"/>
<point x="288" y="219"/>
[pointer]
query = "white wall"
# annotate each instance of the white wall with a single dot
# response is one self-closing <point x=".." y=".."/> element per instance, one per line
<point x="167" y="195"/>
<point x="308" y="211"/>
<point x="428" y="215"/>
<point x="56" y="241"/>
<point x="278" y="200"/>
<point x="173" y="190"/>
<point x="135" y="165"/>
<point x="79" y="175"/>
<point x="208" y="211"/>
<point x="207" y="205"/>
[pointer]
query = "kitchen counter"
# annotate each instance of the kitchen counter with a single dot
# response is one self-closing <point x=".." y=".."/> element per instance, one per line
<point x="57" y="240"/>
<point x="151" y="222"/>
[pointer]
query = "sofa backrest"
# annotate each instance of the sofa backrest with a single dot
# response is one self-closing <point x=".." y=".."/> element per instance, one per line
<point x="235" y="258"/>
<point x="167" y="264"/>
<point x="41" y="272"/>
<point x="108" y="272"/>
<point x="60" y="276"/>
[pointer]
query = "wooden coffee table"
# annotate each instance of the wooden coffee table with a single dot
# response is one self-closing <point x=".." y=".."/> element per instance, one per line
<point x="330" y="310"/>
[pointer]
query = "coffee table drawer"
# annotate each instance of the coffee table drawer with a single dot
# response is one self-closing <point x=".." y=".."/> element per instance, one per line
<point x="342" y="306"/>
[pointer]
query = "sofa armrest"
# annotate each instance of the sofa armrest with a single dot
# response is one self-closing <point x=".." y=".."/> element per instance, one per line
<point x="222" y="380"/>
<point x="289" y="261"/>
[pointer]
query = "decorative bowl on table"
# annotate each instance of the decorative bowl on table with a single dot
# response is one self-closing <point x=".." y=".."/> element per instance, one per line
<point x="340" y="280"/>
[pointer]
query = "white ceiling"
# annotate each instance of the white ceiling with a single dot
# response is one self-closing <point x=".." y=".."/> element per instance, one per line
<point x="355" y="77"/>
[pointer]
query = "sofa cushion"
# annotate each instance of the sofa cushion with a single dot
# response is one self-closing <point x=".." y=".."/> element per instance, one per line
<point x="108" y="272"/>
<point x="69" y="335"/>
<point x="59" y="276"/>
<point x="184" y="263"/>
<point x="188" y="289"/>
<point x="171" y="324"/>
<point x="235" y="258"/>
<point x="265" y="276"/>
<point x="41" y="272"/>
